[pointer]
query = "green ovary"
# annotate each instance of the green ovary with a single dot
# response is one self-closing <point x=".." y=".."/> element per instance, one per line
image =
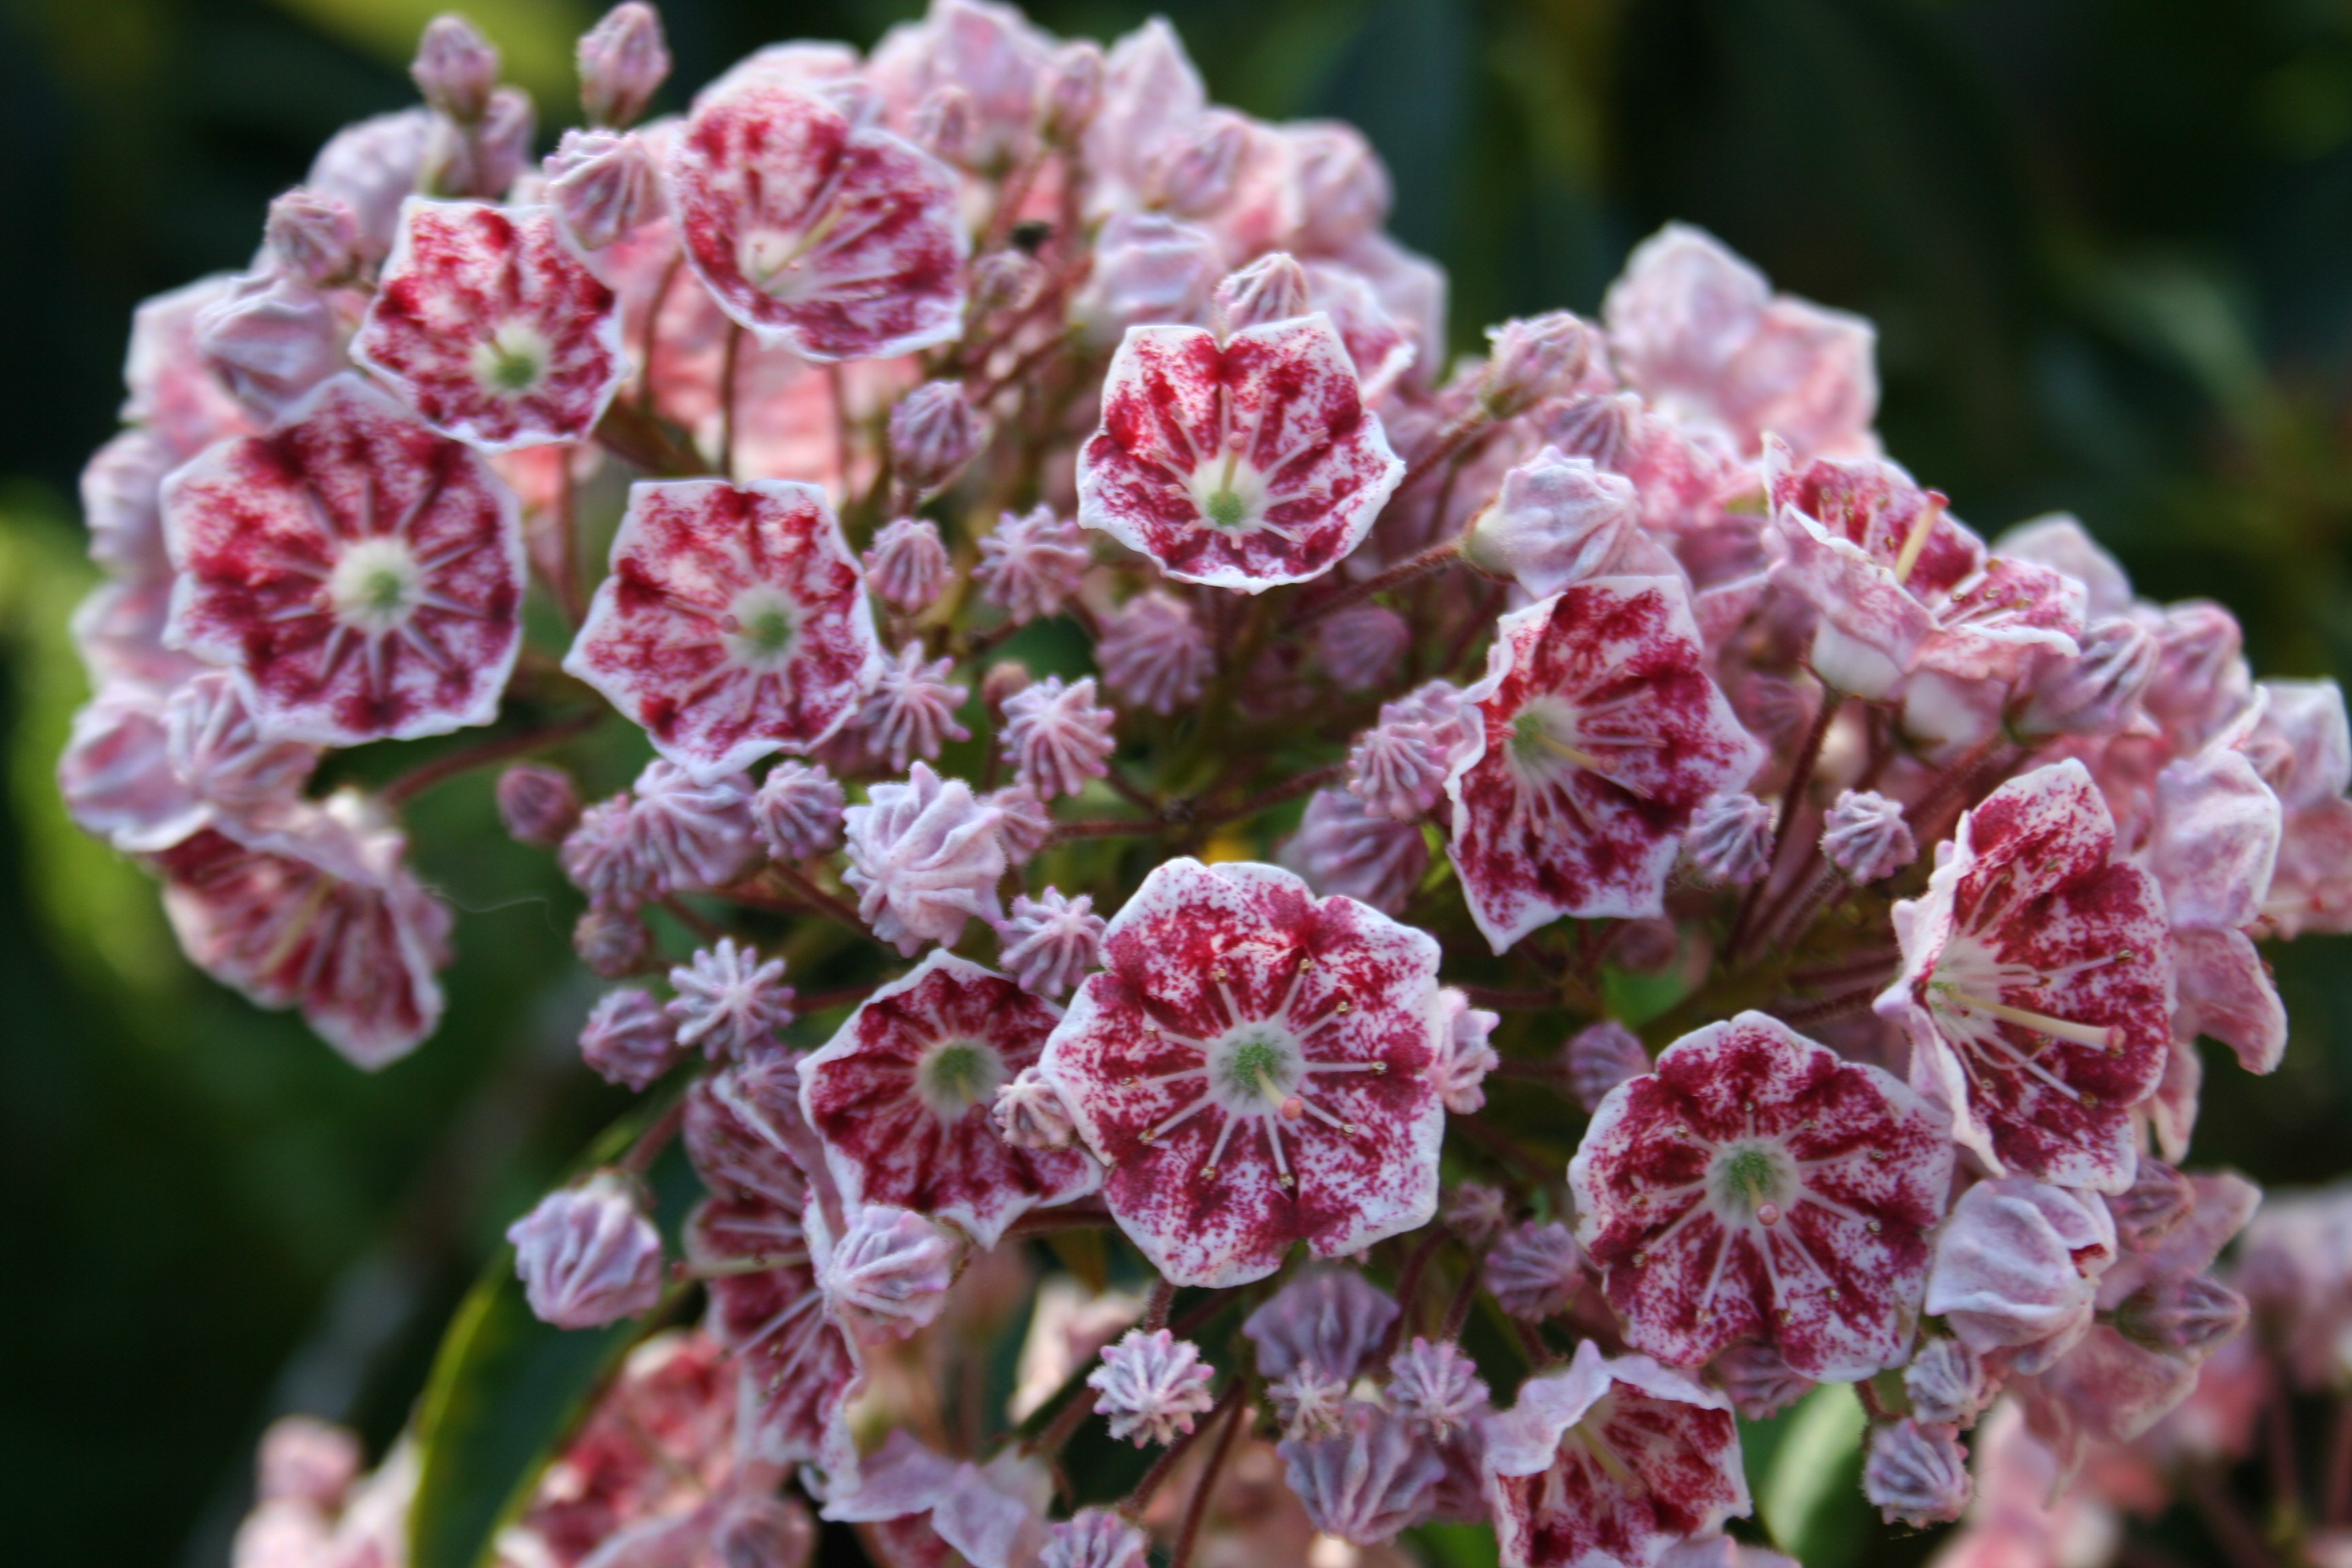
<point x="1746" y="1177"/>
<point x="384" y="591"/>
<point x="1255" y="1064"/>
<point x="768" y="631"/>
<point x="957" y="1075"/>
<point x="1225" y="509"/>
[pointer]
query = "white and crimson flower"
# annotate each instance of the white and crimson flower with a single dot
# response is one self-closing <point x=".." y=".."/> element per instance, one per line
<point x="1600" y="735"/>
<point x="1754" y="1187"/>
<point x="492" y="327"/>
<point x="902" y="1097"/>
<point x="363" y="574"/>
<point x="836" y="241"/>
<point x="767" y="1309"/>
<point x="734" y="624"/>
<point x="1255" y="1066"/>
<point x="2037" y="983"/>
<point x="1242" y="464"/>
<point x="1612" y="1460"/>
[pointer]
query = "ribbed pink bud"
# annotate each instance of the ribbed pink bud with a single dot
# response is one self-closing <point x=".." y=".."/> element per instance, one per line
<point x="119" y="489"/>
<point x="934" y="432"/>
<point x="947" y="125"/>
<point x="1759" y="1382"/>
<point x="271" y="339"/>
<point x="603" y="184"/>
<point x="483" y="159"/>
<point x="1096" y="1538"/>
<point x="797" y="811"/>
<point x="1361" y="647"/>
<point x="1031" y="563"/>
<point x="2097" y="691"/>
<point x="690" y="834"/>
<point x="1270" y="289"/>
<point x="890" y="1270"/>
<point x="611" y="942"/>
<point x="623" y="62"/>
<point x="1600" y="1057"/>
<point x="313" y="236"/>
<point x="1198" y="172"/>
<point x="924" y="857"/>
<point x="588" y="1256"/>
<point x="1023" y="826"/>
<point x="1059" y="736"/>
<point x="1332" y="1317"/>
<point x="1947" y="1383"/>
<point x="1367" y="1481"/>
<point x="1535" y="359"/>
<point x="455" y="67"/>
<point x="2156" y="1203"/>
<point x="628" y="1038"/>
<point x="1049" y="943"/>
<point x="1435" y="1388"/>
<point x="1152" y="655"/>
<point x="1534" y="1271"/>
<point x="1307" y="1400"/>
<point x="909" y="710"/>
<point x="1463" y="1056"/>
<point x="1917" y="1475"/>
<point x="304" y="1460"/>
<point x="2187" y="1315"/>
<point x="761" y="1531"/>
<point x="1004" y="280"/>
<point x="538" y="805"/>
<point x="1152" y="1385"/>
<point x="1343" y="189"/>
<point x="1557" y="519"/>
<point x="1475" y="1212"/>
<point x="1863" y="835"/>
<point x="729" y="1000"/>
<point x="1396" y="770"/>
<point x="2017" y="1267"/>
<point x="1006" y="679"/>
<point x="1029" y="1112"/>
<point x="1070" y="90"/>
<point x="1729" y="840"/>
<point x="1149" y="267"/>
<point x="600" y="856"/>
<point x="1342" y="848"/>
<point x="213" y="746"/>
<point x="907" y="564"/>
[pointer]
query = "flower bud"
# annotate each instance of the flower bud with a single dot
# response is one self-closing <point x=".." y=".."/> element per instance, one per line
<point x="947" y="125"/>
<point x="1395" y="769"/>
<point x="1534" y="1271"/>
<point x="1070" y="90"/>
<point x="271" y="340"/>
<point x="687" y="833"/>
<point x="890" y="1270"/>
<point x="1006" y="679"/>
<point x="1759" y="1382"/>
<point x="1863" y="835"/>
<point x="1436" y="1387"/>
<point x="623" y="62"/>
<point x="1004" y="280"/>
<point x="1600" y="1057"/>
<point x="1557" y="519"/>
<point x="1200" y="169"/>
<point x="1029" y="1112"/>
<point x="907" y="564"/>
<point x="1343" y="190"/>
<point x="603" y="186"/>
<point x="2017" y="1267"/>
<point x="729" y="1002"/>
<point x="1096" y="1538"/>
<point x="628" y="1038"/>
<point x="1475" y="1212"/>
<point x="612" y="942"/>
<point x="481" y="160"/>
<point x="1919" y="1474"/>
<point x="1536" y="359"/>
<point x="2096" y="691"/>
<point x="2156" y="1203"/>
<point x="1463" y="1056"/>
<point x="1152" y="1385"/>
<point x="1023" y="826"/>
<point x="1307" y="1400"/>
<point x="797" y="811"/>
<point x="1153" y="653"/>
<point x="587" y="1256"/>
<point x="304" y="1460"/>
<point x="1948" y="1383"/>
<point x="764" y="1531"/>
<point x="1147" y="268"/>
<point x="1368" y="1481"/>
<point x="934" y="432"/>
<point x="1270" y="289"/>
<point x="539" y="804"/>
<point x="313" y="236"/>
<point x="455" y="67"/>
<point x="2187" y="1315"/>
<point x="1360" y="647"/>
<point x="1729" y="840"/>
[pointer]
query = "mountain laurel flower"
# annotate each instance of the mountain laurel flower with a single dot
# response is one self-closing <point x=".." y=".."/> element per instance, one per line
<point x="588" y="1256"/>
<point x="924" y="857"/>
<point x="538" y="805"/>
<point x="1153" y="653"/>
<point x="909" y="707"/>
<point x="1864" y="836"/>
<point x="628" y="1039"/>
<point x="1029" y="1112"/>
<point x="1030" y="564"/>
<point x="934" y="433"/>
<point x="1463" y="1056"/>
<point x="270" y="340"/>
<point x="797" y="811"/>
<point x="1534" y="1271"/>
<point x="455" y="67"/>
<point x="889" y="1270"/>
<point x="690" y="834"/>
<point x="1152" y="1385"/>
<point x="1535" y="359"/>
<point x="1360" y="646"/>
<point x="1730" y="841"/>
<point x="1600" y="1057"/>
<point x="1368" y="1481"/>
<point x="729" y="1000"/>
<point x="1149" y="267"/>
<point x="2097" y="691"/>
<point x="1059" y="736"/>
<point x="907" y="564"/>
<point x="603" y="186"/>
<point x="1050" y="941"/>
<point x="314" y="236"/>
<point x="623" y="60"/>
<point x="1558" y="519"/>
<point x="1917" y="1474"/>
<point x="1435" y="1388"/>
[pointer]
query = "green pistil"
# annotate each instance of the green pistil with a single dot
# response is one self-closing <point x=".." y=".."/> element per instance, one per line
<point x="1528" y="738"/>
<point x="1225" y="509"/>
<point x="956" y="1073"/>
<point x="384" y="591"/>
<point x="513" y="370"/>
<point x="1747" y="1173"/>
<point x="768" y="631"/>
<point x="1253" y="1065"/>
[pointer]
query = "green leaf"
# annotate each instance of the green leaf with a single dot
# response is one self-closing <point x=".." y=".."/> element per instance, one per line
<point x="506" y="1390"/>
<point x="1809" y="1497"/>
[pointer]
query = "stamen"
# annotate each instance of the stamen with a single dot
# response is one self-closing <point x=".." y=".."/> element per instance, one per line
<point x="2108" y="1038"/>
<point x="1916" y="542"/>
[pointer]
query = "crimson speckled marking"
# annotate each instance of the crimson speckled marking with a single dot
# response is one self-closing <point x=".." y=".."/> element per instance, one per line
<point x="1610" y="1462"/>
<point x="2037" y="983"/>
<point x="308" y="913"/>
<point x="492" y="327"/>
<point x="1253" y="1068"/>
<point x="839" y="243"/>
<point x="1993" y="620"/>
<point x="1242" y="466"/>
<point x="799" y="1369"/>
<point x="1600" y="732"/>
<point x="362" y="575"/>
<point x="1876" y="507"/>
<point x="901" y="1096"/>
<point x="734" y="623"/>
<point x="1754" y="1187"/>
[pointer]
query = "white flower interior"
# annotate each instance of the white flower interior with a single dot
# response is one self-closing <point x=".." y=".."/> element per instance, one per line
<point x="955" y="1074"/>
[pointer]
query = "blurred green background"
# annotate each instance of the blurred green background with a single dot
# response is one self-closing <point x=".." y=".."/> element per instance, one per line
<point x="2106" y="242"/>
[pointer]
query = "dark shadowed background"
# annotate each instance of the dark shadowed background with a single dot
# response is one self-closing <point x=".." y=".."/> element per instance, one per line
<point x="2108" y="245"/>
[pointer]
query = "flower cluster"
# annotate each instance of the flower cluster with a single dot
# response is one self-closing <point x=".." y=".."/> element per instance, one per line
<point x="1222" y="781"/>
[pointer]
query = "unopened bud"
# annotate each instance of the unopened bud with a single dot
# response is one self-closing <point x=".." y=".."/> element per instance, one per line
<point x="890" y="1270"/>
<point x="907" y="564"/>
<point x="623" y="63"/>
<point x="1070" y="92"/>
<point x="1198" y="174"/>
<point x="763" y="1531"/>
<point x="588" y="1256"/>
<point x="1599" y="1057"/>
<point x="1948" y="1383"/>
<point x="1556" y="520"/>
<point x="629" y="1038"/>
<point x="934" y="432"/>
<point x="603" y="186"/>
<point x="1536" y="359"/>
<point x="1863" y="835"/>
<point x="1006" y="679"/>
<point x="1475" y="1212"/>
<point x="1270" y="289"/>
<point x="271" y="340"/>
<point x="2185" y="1315"/>
<point x="455" y="67"/>
<point x="1729" y="840"/>
<point x="1919" y="1474"/>
<point x="313" y="236"/>
<point x="1343" y="190"/>
<point x="611" y="943"/>
<point x="539" y="804"/>
<point x="947" y="125"/>
<point x="1004" y="280"/>
<point x="2095" y="691"/>
<point x="2159" y="1199"/>
<point x="1760" y="1384"/>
